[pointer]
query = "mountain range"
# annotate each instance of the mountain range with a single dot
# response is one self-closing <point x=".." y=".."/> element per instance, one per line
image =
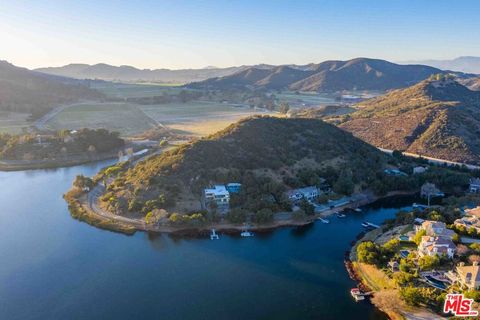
<point x="437" y="117"/>
<point x="328" y="76"/>
<point x="462" y="64"/>
<point x="26" y="91"/>
<point x="108" y="72"/>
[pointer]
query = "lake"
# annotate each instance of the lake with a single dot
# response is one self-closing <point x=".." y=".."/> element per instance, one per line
<point x="55" y="267"/>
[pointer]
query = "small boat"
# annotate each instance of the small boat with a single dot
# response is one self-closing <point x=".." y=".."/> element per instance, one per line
<point x="357" y="294"/>
<point x="341" y="215"/>
<point x="357" y="210"/>
<point x="214" y="235"/>
<point x="324" y="220"/>
<point x="365" y="225"/>
<point x="246" y="234"/>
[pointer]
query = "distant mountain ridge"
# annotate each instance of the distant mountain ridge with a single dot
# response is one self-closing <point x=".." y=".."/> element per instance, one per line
<point x="328" y="76"/>
<point x="26" y="91"/>
<point x="438" y="117"/>
<point x="108" y="72"/>
<point x="465" y="64"/>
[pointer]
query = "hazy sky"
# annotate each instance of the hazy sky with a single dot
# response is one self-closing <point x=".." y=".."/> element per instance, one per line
<point x="179" y="33"/>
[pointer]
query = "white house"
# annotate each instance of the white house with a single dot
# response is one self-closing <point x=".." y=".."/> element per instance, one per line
<point x="433" y="246"/>
<point x="309" y="193"/>
<point x="419" y="169"/>
<point x="474" y="185"/>
<point x="217" y="194"/>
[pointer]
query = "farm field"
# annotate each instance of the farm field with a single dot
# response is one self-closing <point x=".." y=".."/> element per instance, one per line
<point x="197" y="118"/>
<point x="192" y="118"/>
<point x="125" y="118"/>
<point x="132" y="90"/>
<point x="303" y="99"/>
<point x="12" y="122"/>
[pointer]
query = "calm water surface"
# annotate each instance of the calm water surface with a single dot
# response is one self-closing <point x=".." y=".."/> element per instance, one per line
<point x="54" y="267"/>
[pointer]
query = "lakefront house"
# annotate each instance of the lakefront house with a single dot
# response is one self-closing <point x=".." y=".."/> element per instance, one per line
<point x="308" y="193"/>
<point x="474" y="185"/>
<point x="435" y="229"/>
<point x="436" y="246"/>
<point x="466" y="276"/>
<point x="218" y="194"/>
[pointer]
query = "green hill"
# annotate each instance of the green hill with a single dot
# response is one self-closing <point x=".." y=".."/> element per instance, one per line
<point x="437" y="117"/>
<point x="267" y="155"/>
<point x="25" y="91"/>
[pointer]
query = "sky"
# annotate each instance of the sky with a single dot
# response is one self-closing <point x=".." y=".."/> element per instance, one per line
<point x="179" y="34"/>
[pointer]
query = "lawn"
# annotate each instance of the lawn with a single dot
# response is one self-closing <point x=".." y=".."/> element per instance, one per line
<point x="12" y="122"/>
<point x="132" y="90"/>
<point x="125" y="118"/>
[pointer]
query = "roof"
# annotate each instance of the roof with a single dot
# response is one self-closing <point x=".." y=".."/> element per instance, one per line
<point x="474" y="270"/>
<point x="303" y="190"/>
<point x="217" y="190"/>
<point x="438" y="242"/>
<point x="234" y="184"/>
<point x="475" y="181"/>
<point x="474" y="212"/>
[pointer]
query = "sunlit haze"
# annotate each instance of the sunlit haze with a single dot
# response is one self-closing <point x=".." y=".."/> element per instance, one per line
<point x="194" y="34"/>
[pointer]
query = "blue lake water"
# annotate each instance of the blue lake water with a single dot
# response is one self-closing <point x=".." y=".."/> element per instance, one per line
<point x="55" y="267"/>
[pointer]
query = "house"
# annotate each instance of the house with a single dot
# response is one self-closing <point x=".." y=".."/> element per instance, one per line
<point x="218" y="195"/>
<point x="308" y="193"/>
<point x="394" y="172"/>
<point x="474" y="185"/>
<point x="435" y="229"/>
<point x="436" y="246"/>
<point x="475" y="212"/>
<point x="468" y="276"/>
<point x="469" y="222"/>
<point x="233" y="187"/>
<point x="419" y="170"/>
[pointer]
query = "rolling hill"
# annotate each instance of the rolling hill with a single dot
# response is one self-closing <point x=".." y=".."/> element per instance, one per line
<point x="328" y="76"/>
<point x="107" y="72"/>
<point x="266" y="154"/>
<point x="462" y="64"/>
<point x="26" y="91"/>
<point x="438" y="118"/>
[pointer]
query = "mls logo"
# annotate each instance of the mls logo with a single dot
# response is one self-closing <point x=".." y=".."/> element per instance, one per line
<point x="459" y="306"/>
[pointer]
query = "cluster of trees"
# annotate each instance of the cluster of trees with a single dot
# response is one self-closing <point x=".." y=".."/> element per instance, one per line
<point x="372" y="253"/>
<point x="59" y="144"/>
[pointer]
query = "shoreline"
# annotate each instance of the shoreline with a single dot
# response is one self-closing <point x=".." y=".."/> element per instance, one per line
<point x="360" y="276"/>
<point x="19" y="165"/>
<point x="97" y="217"/>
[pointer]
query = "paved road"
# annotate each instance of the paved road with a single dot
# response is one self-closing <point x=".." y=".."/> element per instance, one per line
<point x="433" y="160"/>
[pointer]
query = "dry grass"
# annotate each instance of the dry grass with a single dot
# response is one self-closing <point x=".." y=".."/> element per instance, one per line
<point x="12" y="122"/>
<point x="373" y="277"/>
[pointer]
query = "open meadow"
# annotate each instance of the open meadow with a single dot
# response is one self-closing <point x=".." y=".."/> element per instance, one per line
<point x="13" y="123"/>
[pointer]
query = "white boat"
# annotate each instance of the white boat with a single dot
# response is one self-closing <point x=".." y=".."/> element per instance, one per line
<point x="324" y="220"/>
<point x="214" y="235"/>
<point x="341" y="215"/>
<point x="246" y="234"/>
<point x="357" y="210"/>
<point x="357" y="294"/>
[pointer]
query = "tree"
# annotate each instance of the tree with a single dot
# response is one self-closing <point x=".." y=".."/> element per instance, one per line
<point x="428" y="262"/>
<point x="263" y="216"/>
<point x="392" y="245"/>
<point x="418" y="237"/>
<point x="368" y="252"/>
<point x="411" y="296"/>
<point x="284" y="107"/>
<point x="83" y="182"/>
<point x="344" y="183"/>
<point x="307" y="207"/>
<point x="236" y="215"/>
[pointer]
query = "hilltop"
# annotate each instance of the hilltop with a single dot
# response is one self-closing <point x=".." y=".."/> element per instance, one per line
<point x="25" y="91"/>
<point x="328" y="76"/>
<point x="125" y="73"/>
<point x="465" y="64"/>
<point x="438" y="118"/>
<point x="267" y="155"/>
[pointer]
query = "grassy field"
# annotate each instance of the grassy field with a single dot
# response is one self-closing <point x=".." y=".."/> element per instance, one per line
<point x="132" y="90"/>
<point x="125" y="118"/>
<point x="305" y="99"/>
<point x="11" y="122"/>
<point x="191" y="118"/>
<point x="197" y="118"/>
